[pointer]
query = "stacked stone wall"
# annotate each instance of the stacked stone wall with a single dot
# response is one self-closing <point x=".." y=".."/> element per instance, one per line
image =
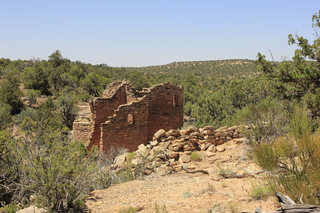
<point x="102" y="109"/>
<point x="165" y="108"/>
<point x="127" y="128"/>
<point x="82" y="132"/>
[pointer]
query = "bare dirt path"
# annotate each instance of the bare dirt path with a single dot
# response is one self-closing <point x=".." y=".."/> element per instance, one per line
<point x="189" y="192"/>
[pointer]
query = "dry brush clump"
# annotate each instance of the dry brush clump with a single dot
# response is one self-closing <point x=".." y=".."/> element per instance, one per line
<point x="292" y="160"/>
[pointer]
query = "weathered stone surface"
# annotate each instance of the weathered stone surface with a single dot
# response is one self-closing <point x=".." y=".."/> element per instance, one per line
<point x="193" y="129"/>
<point x="209" y="154"/>
<point x="154" y="143"/>
<point x="173" y="154"/>
<point x="119" y="161"/>
<point x="198" y="134"/>
<point x="221" y="128"/>
<point x="184" y="158"/>
<point x="147" y="171"/>
<point x="159" y="134"/>
<point x="137" y="161"/>
<point x="209" y="128"/>
<point x="163" y="170"/>
<point x="211" y="148"/>
<point x="32" y="209"/>
<point x="220" y="149"/>
<point x="185" y="132"/>
<point x="173" y="132"/>
<point x="142" y="150"/>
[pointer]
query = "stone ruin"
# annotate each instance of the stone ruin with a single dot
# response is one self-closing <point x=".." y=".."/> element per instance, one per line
<point x="125" y="117"/>
<point x="170" y="151"/>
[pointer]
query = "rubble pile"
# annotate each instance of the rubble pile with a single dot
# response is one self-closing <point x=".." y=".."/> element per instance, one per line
<point x="169" y="151"/>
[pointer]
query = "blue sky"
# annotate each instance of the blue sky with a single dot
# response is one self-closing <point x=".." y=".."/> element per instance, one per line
<point x="138" y="33"/>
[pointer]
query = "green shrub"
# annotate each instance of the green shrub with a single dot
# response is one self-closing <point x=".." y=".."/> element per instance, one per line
<point x="233" y="207"/>
<point x="128" y="210"/>
<point x="265" y="156"/>
<point x="195" y="156"/>
<point x="11" y="208"/>
<point x="261" y="192"/>
<point x="266" y="120"/>
<point x="297" y="156"/>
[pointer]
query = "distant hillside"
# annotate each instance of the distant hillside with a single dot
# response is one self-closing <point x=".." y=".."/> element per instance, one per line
<point x="224" y="69"/>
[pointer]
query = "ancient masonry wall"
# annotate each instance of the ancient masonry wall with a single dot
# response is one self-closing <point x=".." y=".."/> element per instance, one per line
<point x="165" y="108"/>
<point x="127" y="128"/>
<point x="82" y="132"/>
<point x="124" y="117"/>
<point x="102" y="109"/>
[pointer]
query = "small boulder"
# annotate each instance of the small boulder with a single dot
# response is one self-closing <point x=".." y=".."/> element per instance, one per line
<point x="211" y="148"/>
<point x="173" y="132"/>
<point x="184" y="158"/>
<point x="119" y="161"/>
<point x="32" y="209"/>
<point x="142" y="150"/>
<point x="193" y="129"/>
<point x="209" y="154"/>
<point x="208" y="128"/>
<point x="220" y="149"/>
<point x="159" y="134"/>
<point x="173" y="154"/>
<point x="154" y="143"/>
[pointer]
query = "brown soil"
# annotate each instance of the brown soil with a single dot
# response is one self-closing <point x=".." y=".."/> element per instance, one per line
<point x="189" y="192"/>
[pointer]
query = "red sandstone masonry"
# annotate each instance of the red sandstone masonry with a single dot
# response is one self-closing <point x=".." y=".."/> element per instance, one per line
<point x="124" y="117"/>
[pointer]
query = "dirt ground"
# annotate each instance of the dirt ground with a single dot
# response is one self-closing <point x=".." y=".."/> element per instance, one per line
<point x="190" y="192"/>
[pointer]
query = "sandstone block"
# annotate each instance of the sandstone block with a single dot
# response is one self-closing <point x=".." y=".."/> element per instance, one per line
<point x="210" y="140"/>
<point x="173" y="132"/>
<point x="220" y="149"/>
<point x="136" y="161"/>
<point x="159" y="134"/>
<point x="193" y="129"/>
<point x="212" y="148"/>
<point x="234" y="128"/>
<point x="219" y="142"/>
<point x="173" y="154"/>
<point x="198" y="134"/>
<point x="221" y="129"/>
<point x="209" y="154"/>
<point x="171" y="138"/>
<point x="142" y="150"/>
<point x="188" y="148"/>
<point x="209" y="128"/>
<point x="158" y="149"/>
<point x="119" y="161"/>
<point x="174" y="148"/>
<point x="161" y="157"/>
<point x="184" y="158"/>
<point x="163" y="170"/>
<point x="32" y="209"/>
<point x="147" y="171"/>
<point x="165" y="145"/>
<point x="154" y="143"/>
<point x="204" y="146"/>
<point x="185" y="132"/>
